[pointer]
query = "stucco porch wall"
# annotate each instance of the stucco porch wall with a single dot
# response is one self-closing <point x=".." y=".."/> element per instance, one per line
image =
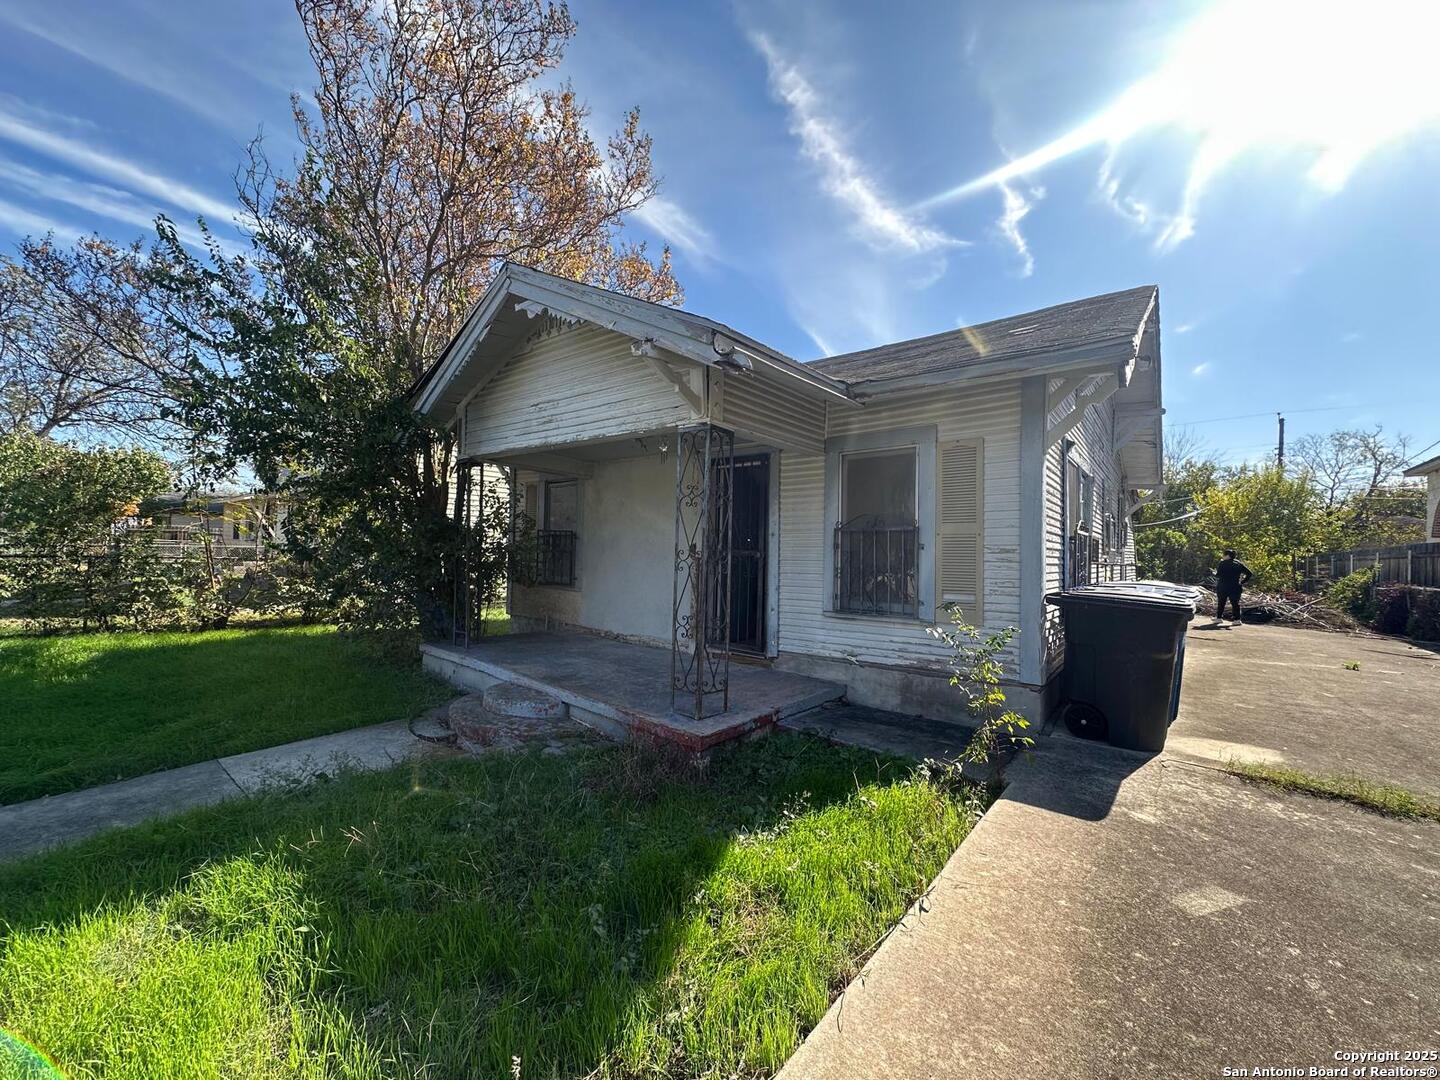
<point x="624" y="553"/>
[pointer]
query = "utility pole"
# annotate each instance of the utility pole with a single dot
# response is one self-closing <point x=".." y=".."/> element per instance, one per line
<point x="1280" y="448"/>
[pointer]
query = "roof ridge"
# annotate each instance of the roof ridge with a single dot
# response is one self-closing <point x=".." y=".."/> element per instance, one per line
<point x="961" y="331"/>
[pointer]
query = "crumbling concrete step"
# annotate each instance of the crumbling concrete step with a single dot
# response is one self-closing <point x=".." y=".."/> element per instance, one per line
<point x="508" y="715"/>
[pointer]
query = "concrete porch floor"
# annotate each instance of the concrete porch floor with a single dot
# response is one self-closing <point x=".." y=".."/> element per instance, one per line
<point x="623" y="688"/>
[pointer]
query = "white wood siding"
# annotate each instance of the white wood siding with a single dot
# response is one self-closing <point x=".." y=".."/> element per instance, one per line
<point x="988" y="414"/>
<point x="763" y="407"/>
<point x="1094" y="451"/>
<point x="573" y="385"/>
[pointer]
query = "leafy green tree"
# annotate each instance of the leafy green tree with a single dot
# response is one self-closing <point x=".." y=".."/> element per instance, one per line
<point x="1167" y="549"/>
<point x="53" y="495"/>
<point x="1269" y="517"/>
<point x="64" y="527"/>
<point x="432" y="153"/>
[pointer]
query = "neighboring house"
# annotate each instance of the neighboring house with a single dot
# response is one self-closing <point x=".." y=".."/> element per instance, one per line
<point x="980" y="467"/>
<point x="235" y="525"/>
<point x="1431" y="471"/>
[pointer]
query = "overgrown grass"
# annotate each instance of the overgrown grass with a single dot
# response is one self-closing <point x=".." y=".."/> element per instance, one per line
<point x="85" y="709"/>
<point x="1386" y="799"/>
<point x="544" y="915"/>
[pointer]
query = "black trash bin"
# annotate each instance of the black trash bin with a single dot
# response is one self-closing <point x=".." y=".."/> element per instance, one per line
<point x="1124" y="656"/>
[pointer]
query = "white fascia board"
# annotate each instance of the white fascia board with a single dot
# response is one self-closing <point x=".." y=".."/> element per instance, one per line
<point x="472" y="331"/>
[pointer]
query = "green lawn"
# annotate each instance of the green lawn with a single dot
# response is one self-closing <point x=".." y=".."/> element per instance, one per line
<point x="522" y="914"/>
<point x="86" y="709"/>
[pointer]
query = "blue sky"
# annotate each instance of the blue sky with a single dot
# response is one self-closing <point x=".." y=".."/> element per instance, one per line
<point x="837" y="175"/>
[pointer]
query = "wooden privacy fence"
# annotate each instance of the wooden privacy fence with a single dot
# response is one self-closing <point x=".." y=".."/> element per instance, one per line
<point x="1408" y="564"/>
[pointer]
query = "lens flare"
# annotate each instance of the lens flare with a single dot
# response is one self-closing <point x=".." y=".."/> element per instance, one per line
<point x="22" y="1061"/>
<point x="1330" y="79"/>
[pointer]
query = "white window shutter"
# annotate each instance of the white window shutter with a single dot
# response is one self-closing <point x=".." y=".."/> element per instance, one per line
<point x="960" y="567"/>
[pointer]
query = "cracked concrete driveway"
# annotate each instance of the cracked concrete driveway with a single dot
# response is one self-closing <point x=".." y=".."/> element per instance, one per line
<point x="1117" y="916"/>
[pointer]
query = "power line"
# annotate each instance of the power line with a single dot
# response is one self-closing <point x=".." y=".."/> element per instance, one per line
<point x="1272" y="412"/>
<point x="1417" y="456"/>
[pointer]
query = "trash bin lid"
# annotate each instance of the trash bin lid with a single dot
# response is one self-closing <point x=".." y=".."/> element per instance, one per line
<point x="1147" y="594"/>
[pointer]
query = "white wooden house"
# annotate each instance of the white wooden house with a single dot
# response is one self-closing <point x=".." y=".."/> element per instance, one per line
<point x="1431" y="471"/>
<point x="981" y="467"/>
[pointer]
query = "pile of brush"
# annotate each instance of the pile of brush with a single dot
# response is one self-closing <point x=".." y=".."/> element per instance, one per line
<point x="1287" y="609"/>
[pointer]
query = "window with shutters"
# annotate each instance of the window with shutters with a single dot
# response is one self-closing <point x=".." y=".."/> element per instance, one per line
<point x="880" y="510"/>
<point x="961" y="520"/>
<point x="877" y="542"/>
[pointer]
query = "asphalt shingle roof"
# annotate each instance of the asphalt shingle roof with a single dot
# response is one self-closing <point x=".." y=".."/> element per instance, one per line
<point x="1113" y="316"/>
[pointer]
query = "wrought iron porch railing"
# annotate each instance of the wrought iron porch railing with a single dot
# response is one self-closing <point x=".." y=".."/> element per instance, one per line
<point x="875" y="570"/>
<point x="554" y="557"/>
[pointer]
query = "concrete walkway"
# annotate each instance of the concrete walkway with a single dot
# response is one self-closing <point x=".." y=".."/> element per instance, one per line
<point x="60" y="819"/>
<point x="1117" y="916"/>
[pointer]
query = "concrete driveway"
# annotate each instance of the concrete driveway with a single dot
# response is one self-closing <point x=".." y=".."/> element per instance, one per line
<point x="1269" y="693"/>
<point x="1118" y="916"/>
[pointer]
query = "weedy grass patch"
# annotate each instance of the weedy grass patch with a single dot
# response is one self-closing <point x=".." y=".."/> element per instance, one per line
<point x="523" y="914"/>
<point x="1388" y="799"/>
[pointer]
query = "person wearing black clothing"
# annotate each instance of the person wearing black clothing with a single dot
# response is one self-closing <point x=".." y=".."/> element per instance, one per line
<point x="1231" y="576"/>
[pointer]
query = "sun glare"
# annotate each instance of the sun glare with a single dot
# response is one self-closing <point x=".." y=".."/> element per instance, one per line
<point x="1332" y="80"/>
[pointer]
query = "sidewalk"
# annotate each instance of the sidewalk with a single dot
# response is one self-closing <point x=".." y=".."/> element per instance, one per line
<point x="60" y="819"/>
<point x="1114" y="917"/>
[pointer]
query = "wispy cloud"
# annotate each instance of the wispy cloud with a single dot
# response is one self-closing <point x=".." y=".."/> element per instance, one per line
<point x="97" y="199"/>
<point x="1200" y="369"/>
<point x="1184" y="328"/>
<point x="19" y="125"/>
<point x="1302" y="75"/>
<point x="1016" y="206"/>
<point x="844" y="176"/>
<point x="26" y="222"/>
<point x="826" y="349"/>
<point x="121" y="56"/>
<point x="678" y="228"/>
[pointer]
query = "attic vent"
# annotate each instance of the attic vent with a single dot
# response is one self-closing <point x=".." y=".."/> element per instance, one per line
<point x="1024" y="329"/>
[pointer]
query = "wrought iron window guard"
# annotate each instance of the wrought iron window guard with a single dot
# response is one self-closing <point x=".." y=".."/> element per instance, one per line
<point x="554" y="557"/>
<point x="876" y="568"/>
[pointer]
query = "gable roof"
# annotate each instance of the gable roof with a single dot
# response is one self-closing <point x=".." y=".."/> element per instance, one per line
<point x="1425" y="468"/>
<point x="1110" y="319"/>
<point x="501" y="316"/>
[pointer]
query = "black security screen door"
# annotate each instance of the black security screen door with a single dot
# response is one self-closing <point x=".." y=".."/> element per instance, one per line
<point x="749" y="543"/>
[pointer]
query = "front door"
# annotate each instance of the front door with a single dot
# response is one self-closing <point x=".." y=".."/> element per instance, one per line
<point x="749" y="549"/>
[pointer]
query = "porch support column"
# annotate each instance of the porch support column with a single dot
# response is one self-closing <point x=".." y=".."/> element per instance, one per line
<point x="700" y="639"/>
<point x="1032" y="529"/>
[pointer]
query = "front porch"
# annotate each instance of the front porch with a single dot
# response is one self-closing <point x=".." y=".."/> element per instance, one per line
<point x="624" y="689"/>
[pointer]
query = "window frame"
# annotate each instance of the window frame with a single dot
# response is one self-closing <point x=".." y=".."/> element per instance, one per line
<point x="541" y="485"/>
<point x="923" y="440"/>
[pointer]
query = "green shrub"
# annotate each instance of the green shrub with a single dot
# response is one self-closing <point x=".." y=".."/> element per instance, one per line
<point x="1424" y="621"/>
<point x="1355" y="593"/>
<point x="1409" y="610"/>
<point x="1392" y="609"/>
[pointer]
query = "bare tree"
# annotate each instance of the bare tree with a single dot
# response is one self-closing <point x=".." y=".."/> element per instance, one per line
<point x="85" y="345"/>
<point x="1348" y="463"/>
<point x="438" y="158"/>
